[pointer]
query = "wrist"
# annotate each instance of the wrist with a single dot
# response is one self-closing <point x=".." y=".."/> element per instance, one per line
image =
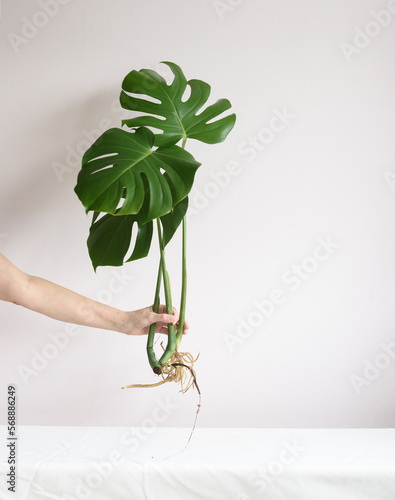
<point x="122" y="321"/>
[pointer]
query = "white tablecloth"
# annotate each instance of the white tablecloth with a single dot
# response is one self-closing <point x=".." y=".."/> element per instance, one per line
<point x="78" y="463"/>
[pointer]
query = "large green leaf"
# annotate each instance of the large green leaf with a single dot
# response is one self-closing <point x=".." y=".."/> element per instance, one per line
<point x="178" y="119"/>
<point x="110" y="237"/>
<point x="173" y="219"/>
<point x="117" y="166"/>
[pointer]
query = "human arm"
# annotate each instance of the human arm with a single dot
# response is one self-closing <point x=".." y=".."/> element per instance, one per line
<point x="57" y="302"/>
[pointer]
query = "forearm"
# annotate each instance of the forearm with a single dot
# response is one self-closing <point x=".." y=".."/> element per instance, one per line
<point x="64" y="305"/>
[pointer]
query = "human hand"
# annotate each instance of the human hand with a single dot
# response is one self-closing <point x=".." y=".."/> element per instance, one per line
<point x="138" y="322"/>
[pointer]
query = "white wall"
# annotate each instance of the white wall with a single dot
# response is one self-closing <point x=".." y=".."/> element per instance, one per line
<point x="323" y="176"/>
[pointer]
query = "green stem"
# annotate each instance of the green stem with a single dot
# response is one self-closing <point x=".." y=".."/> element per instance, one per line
<point x="181" y="320"/>
<point x="171" y="335"/>
<point x="155" y="365"/>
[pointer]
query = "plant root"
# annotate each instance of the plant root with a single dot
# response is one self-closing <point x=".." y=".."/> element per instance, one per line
<point x="178" y="369"/>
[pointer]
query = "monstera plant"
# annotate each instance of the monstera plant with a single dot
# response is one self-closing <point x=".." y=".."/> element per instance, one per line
<point x="137" y="177"/>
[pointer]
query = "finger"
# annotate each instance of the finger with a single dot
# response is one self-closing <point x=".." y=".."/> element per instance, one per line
<point x="161" y="308"/>
<point x="165" y="318"/>
<point x="168" y="318"/>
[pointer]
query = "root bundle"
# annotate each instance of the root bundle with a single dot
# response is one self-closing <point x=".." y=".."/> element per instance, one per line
<point x="178" y="369"/>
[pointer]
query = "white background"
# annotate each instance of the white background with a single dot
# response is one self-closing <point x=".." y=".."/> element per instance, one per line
<point x="322" y="358"/>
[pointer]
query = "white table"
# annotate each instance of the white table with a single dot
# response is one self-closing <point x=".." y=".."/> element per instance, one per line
<point x="78" y="463"/>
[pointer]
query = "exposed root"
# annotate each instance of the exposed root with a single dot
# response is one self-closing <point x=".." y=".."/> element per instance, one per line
<point x="194" y="423"/>
<point x="178" y="369"/>
<point x="145" y="385"/>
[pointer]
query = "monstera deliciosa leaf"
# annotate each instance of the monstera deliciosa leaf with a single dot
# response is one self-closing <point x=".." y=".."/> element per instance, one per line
<point x="117" y="168"/>
<point x="110" y="235"/>
<point x="179" y="119"/>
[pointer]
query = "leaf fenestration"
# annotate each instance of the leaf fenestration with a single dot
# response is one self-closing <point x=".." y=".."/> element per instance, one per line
<point x="178" y="119"/>
<point x="117" y="166"/>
